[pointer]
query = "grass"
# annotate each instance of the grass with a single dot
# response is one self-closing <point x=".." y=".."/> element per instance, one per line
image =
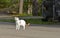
<point x="23" y="14"/>
<point x="39" y="21"/>
<point x="32" y="21"/>
<point x="2" y="20"/>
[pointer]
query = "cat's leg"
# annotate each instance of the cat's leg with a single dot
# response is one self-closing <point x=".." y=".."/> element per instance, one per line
<point x="17" y="27"/>
<point x="24" y="27"/>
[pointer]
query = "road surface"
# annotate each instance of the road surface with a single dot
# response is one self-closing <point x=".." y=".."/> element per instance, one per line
<point x="7" y="30"/>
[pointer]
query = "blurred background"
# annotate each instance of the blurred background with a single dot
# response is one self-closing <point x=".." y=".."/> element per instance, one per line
<point x="21" y="7"/>
<point x="45" y="10"/>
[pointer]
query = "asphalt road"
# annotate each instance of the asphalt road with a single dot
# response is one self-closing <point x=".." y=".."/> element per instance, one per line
<point x="7" y="30"/>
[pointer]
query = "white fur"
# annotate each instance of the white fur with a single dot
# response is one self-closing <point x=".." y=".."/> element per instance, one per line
<point x="20" y="23"/>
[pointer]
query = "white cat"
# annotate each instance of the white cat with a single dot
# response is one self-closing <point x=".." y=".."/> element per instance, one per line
<point x="20" y="23"/>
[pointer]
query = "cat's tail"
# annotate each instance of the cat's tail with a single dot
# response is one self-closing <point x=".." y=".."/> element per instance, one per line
<point x="28" y="24"/>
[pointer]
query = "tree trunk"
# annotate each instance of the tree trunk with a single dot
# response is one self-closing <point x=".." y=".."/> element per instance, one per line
<point x="35" y="7"/>
<point x="29" y="9"/>
<point x="21" y="7"/>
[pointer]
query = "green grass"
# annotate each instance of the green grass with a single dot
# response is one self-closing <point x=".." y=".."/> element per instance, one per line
<point x="39" y="21"/>
<point x="32" y="21"/>
<point x="23" y="14"/>
<point x="7" y="20"/>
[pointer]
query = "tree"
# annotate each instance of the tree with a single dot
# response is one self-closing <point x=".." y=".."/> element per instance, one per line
<point x="21" y="7"/>
<point x="29" y="7"/>
<point x="35" y="8"/>
<point x="4" y="3"/>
